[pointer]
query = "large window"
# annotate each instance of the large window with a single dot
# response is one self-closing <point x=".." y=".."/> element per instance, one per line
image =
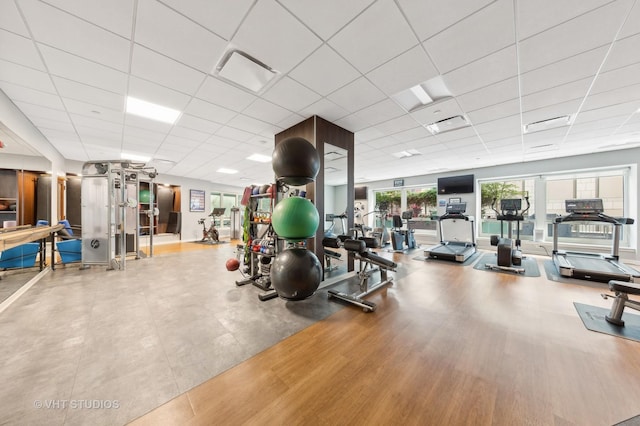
<point x="227" y="201"/>
<point x="421" y="201"/>
<point x="492" y="192"/>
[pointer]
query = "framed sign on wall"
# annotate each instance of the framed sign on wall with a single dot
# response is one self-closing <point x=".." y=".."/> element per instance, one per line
<point x="196" y="200"/>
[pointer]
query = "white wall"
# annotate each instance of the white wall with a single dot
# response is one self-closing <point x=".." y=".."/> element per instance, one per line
<point x="628" y="157"/>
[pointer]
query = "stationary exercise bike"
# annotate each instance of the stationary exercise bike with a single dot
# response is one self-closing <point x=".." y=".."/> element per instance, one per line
<point x="211" y="234"/>
<point x="508" y="250"/>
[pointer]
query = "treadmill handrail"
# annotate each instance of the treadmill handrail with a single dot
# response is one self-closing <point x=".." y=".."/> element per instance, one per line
<point x="591" y="217"/>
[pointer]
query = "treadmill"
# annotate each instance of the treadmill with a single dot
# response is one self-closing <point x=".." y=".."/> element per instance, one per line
<point x="457" y="251"/>
<point x="592" y="266"/>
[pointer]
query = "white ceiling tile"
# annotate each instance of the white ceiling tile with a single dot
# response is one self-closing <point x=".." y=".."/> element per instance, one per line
<point x="488" y="70"/>
<point x="552" y="111"/>
<point x="535" y="17"/>
<point x="114" y="15"/>
<point x="145" y="125"/>
<point x="479" y="35"/>
<point x="291" y="95"/>
<point x="467" y="134"/>
<point x="352" y="122"/>
<point x="380" y="112"/>
<point x="81" y="92"/>
<point x="288" y="121"/>
<point x="267" y="112"/>
<point x="594" y="29"/>
<point x="32" y="110"/>
<point x="626" y="108"/>
<point x="614" y="79"/>
<point x="27" y="77"/>
<point x="219" y="16"/>
<point x="316" y="73"/>
<point x="326" y="109"/>
<point x="430" y="17"/>
<point x="617" y="96"/>
<point x="417" y="133"/>
<point x="61" y="125"/>
<point x="20" y="50"/>
<point x="161" y="95"/>
<point x="11" y="20"/>
<point x="273" y="36"/>
<point x="83" y="121"/>
<point x="327" y="17"/>
<point x="75" y="68"/>
<point x="88" y="133"/>
<point x="250" y="124"/>
<point x="31" y="96"/>
<point x="218" y="92"/>
<point x="59" y="29"/>
<point x="152" y="66"/>
<point x="437" y="111"/>
<point x="368" y="134"/>
<point x="356" y="95"/>
<point x="564" y="71"/>
<point x="165" y="31"/>
<point x="197" y="123"/>
<point x="186" y="133"/>
<point x="632" y="26"/>
<point x="489" y="95"/>
<point x="233" y="134"/>
<point x="209" y="111"/>
<point x="93" y="111"/>
<point x="397" y="125"/>
<point x="180" y="144"/>
<point x="495" y="112"/>
<point x="570" y="91"/>
<point x="407" y="70"/>
<point x="377" y="35"/>
<point x="623" y="52"/>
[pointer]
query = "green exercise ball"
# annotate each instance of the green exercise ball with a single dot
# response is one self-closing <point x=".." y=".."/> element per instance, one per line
<point x="145" y="195"/>
<point x="295" y="218"/>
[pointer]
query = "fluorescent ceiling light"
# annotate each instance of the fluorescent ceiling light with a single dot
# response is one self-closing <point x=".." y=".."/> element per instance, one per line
<point x="420" y="93"/>
<point x="152" y="111"/>
<point x="134" y="157"/>
<point x="551" y="123"/>
<point x="259" y="158"/>
<point x="407" y="153"/>
<point x="227" y="171"/>
<point x="242" y="69"/>
<point x="447" y="125"/>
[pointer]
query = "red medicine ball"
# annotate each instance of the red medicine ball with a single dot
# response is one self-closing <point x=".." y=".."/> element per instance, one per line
<point x="232" y="264"/>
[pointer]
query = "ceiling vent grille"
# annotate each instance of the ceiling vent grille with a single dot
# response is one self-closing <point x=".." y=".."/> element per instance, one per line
<point x="447" y="125"/>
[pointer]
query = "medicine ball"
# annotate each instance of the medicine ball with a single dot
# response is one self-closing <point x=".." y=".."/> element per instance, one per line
<point x="295" y="218"/>
<point x="255" y="190"/>
<point x="295" y="161"/>
<point x="264" y="188"/>
<point x="232" y="264"/>
<point x="296" y="274"/>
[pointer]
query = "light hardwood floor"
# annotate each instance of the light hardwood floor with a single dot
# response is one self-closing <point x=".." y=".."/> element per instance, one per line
<point x="448" y="345"/>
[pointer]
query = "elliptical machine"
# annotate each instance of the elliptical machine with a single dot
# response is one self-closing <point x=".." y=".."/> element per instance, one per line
<point x="508" y="250"/>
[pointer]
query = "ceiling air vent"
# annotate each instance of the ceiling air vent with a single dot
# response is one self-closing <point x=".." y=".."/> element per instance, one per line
<point x="551" y="123"/>
<point x="447" y="125"/>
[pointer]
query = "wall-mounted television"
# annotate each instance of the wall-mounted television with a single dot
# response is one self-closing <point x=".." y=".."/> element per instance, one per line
<point x="456" y="184"/>
<point x="361" y="193"/>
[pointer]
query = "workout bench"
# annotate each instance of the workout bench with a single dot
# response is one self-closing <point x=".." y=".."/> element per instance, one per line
<point x="367" y="260"/>
<point x="331" y="242"/>
<point x="622" y="291"/>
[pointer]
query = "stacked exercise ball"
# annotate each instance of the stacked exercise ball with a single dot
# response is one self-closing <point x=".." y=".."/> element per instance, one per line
<point x="295" y="272"/>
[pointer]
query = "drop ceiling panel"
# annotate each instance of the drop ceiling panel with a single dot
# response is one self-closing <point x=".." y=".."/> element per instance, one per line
<point x="564" y="71"/>
<point x="324" y="71"/>
<point x="416" y="134"/>
<point x="20" y="50"/>
<point x="267" y="111"/>
<point x="82" y="121"/>
<point x="27" y="77"/>
<point x="353" y="123"/>
<point x="220" y="16"/>
<point x="273" y="36"/>
<point x="327" y="17"/>
<point x="164" y="30"/>
<point x="481" y="34"/>
<point x="81" y="70"/>
<point x="135" y="123"/>
<point x="595" y="115"/>
<point x="617" y="96"/>
<point x="380" y="112"/>
<point x="217" y="91"/>
<point x="288" y="121"/>
<point x="164" y="71"/>
<point x="614" y="79"/>
<point x="183" y="144"/>
<point x="186" y="133"/>
<point x="326" y="109"/>
<point x="291" y="95"/>
<point x="209" y="111"/>
<point x="552" y="111"/>
<point x="377" y="35"/>
<point x="535" y="17"/>
<point x="428" y="18"/>
<point x="495" y="112"/>
<point x="591" y="30"/>
<point x="61" y="125"/>
<point x="488" y="70"/>
<point x="11" y="20"/>
<point x="489" y="95"/>
<point x="356" y="95"/>
<point x="197" y="123"/>
<point x="59" y="29"/>
<point x="81" y="92"/>
<point x="623" y="53"/>
<point x="37" y="111"/>
<point x="632" y="26"/>
<point x="396" y="125"/>
<point x="249" y="124"/>
<point x="467" y="133"/>
<point x="234" y="134"/>
<point x="161" y="95"/>
<point x="407" y="70"/>
<point x="437" y="111"/>
<point x="94" y="111"/>
<point x="570" y="91"/>
<point x="114" y="15"/>
<point x="31" y="96"/>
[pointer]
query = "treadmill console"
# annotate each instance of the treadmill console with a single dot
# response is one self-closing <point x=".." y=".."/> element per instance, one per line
<point x="406" y="215"/>
<point x="511" y="205"/>
<point x="456" y="208"/>
<point x="584" y="206"/>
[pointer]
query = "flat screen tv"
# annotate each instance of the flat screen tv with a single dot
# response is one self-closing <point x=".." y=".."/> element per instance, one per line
<point x="455" y="184"/>
<point x="361" y="193"/>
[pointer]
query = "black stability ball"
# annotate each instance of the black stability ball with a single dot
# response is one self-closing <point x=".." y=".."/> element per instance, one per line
<point x="296" y="274"/>
<point x="295" y="161"/>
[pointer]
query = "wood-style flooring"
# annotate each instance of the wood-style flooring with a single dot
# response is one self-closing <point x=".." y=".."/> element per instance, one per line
<point x="448" y="345"/>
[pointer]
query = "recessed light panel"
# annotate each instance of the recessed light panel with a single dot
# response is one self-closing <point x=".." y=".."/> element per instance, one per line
<point x="152" y="111"/>
<point x="227" y="171"/>
<point x="259" y="158"/>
